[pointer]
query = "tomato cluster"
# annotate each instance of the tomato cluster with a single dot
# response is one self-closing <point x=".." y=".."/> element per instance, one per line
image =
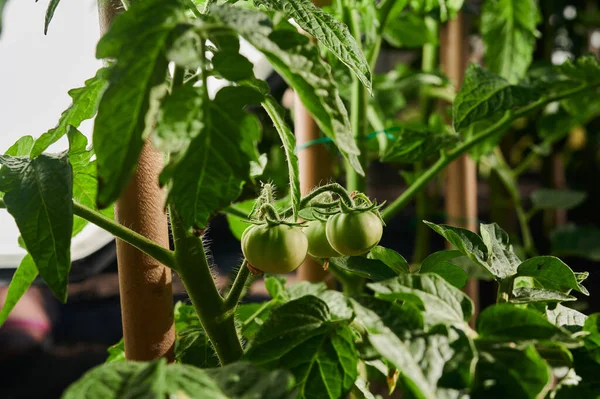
<point x="281" y="248"/>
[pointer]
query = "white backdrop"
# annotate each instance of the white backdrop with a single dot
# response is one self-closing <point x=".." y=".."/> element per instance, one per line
<point x="36" y="72"/>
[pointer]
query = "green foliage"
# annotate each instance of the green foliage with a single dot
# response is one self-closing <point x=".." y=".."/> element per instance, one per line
<point x="572" y="240"/>
<point x="38" y="195"/>
<point x="135" y="82"/>
<point x="332" y="34"/>
<point x="157" y="379"/>
<point x="409" y="322"/>
<point x="50" y="14"/>
<point x="509" y="33"/>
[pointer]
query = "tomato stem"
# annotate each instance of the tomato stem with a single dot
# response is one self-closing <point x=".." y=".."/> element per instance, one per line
<point x="334" y="188"/>
<point x="194" y="270"/>
<point x="237" y="288"/>
<point x="509" y="116"/>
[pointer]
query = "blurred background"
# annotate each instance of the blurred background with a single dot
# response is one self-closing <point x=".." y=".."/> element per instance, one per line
<point x="45" y="345"/>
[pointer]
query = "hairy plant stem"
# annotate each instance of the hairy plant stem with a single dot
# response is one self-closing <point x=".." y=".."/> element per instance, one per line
<point x="237" y="288"/>
<point x="447" y="157"/>
<point x="147" y="246"/>
<point x="358" y="116"/>
<point x="216" y="318"/>
<point x="505" y="289"/>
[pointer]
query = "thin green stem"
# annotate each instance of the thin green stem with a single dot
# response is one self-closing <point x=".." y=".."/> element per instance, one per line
<point x="510" y="184"/>
<point x="509" y="116"/>
<point x="334" y="188"/>
<point x="525" y="164"/>
<point x="207" y="6"/>
<point x="235" y="293"/>
<point x="233" y="211"/>
<point x="254" y="315"/>
<point x="178" y="76"/>
<point x="505" y="290"/>
<point x="358" y="116"/>
<point x="193" y="268"/>
<point x="147" y="246"/>
<point x="423" y="232"/>
<point x="194" y="9"/>
<point x="126" y="4"/>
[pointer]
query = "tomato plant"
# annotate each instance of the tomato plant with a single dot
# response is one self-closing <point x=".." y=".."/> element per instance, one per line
<point x="408" y="327"/>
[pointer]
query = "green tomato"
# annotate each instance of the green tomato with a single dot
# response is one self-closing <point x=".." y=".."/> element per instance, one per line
<point x="354" y="233"/>
<point x="318" y="245"/>
<point x="274" y="249"/>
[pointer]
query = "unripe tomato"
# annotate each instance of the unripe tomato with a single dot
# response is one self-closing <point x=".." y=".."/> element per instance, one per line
<point x="274" y="249"/>
<point x="318" y="245"/>
<point x="354" y="233"/>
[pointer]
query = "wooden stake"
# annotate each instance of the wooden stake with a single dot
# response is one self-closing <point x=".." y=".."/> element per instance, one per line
<point x="315" y="170"/>
<point x="461" y="175"/>
<point x="144" y="284"/>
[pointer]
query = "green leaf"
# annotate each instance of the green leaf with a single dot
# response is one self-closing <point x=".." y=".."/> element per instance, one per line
<point x="390" y="258"/>
<point x="552" y="273"/>
<point x="501" y="254"/>
<point x="592" y="341"/>
<point x="185" y="316"/>
<point x="563" y="316"/>
<point x="572" y="240"/>
<point x="443" y="303"/>
<point x="243" y="380"/>
<point x="193" y="347"/>
<point x="414" y="145"/>
<point x="38" y="195"/>
<point x="505" y="322"/>
<point x="467" y="243"/>
<point x="84" y="106"/>
<point x="21" y="147"/>
<point x="524" y="295"/>
<point x="137" y="40"/>
<point x="544" y="198"/>
<point x="157" y="380"/>
<point x="21" y="281"/>
<point x="252" y="316"/>
<point x="360" y="390"/>
<point x="304" y="288"/>
<point x="49" y="14"/>
<point x="116" y="352"/>
<point x="236" y="224"/>
<point x="512" y="373"/>
<point x="439" y="263"/>
<point x="332" y="34"/>
<point x="401" y="319"/>
<point x="373" y="269"/>
<point x="409" y="30"/>
<point x="391" y="348"/>
<point x="509" y="33"/>
<point x="298" y="61"/>
<point x="302" y="337"/>
<point x="216" y="163"/>
<point x="85" y="181"/>
<point x="232" y="66"/>
<point x="484" y="95"/>
<point x="446" y="9"/>
<point x="2" y="4"/>
<point x="275" y="286"/>
<point x="289" y="145"/>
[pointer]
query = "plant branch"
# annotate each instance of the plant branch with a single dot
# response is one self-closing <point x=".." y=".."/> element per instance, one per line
<point x="334" y="188"/>
<point x="509" y="116"/>
<point x="235" y="293"/>
<point x="505" y="289"/>
<point x="197" y="278"/>
<point x="358" y="115"/>
<point x="147" y="246"/>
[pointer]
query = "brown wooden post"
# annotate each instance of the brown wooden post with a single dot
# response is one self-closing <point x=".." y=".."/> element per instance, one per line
<point x="461" y="175"/>
<point x="144" y="284"/>
<point x="315" y="168"/>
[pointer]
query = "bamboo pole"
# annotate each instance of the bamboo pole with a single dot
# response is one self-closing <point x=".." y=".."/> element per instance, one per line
<point x="144" y="284"/>
<point x="461" y="175"/>
<point x="315" y="168"/>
